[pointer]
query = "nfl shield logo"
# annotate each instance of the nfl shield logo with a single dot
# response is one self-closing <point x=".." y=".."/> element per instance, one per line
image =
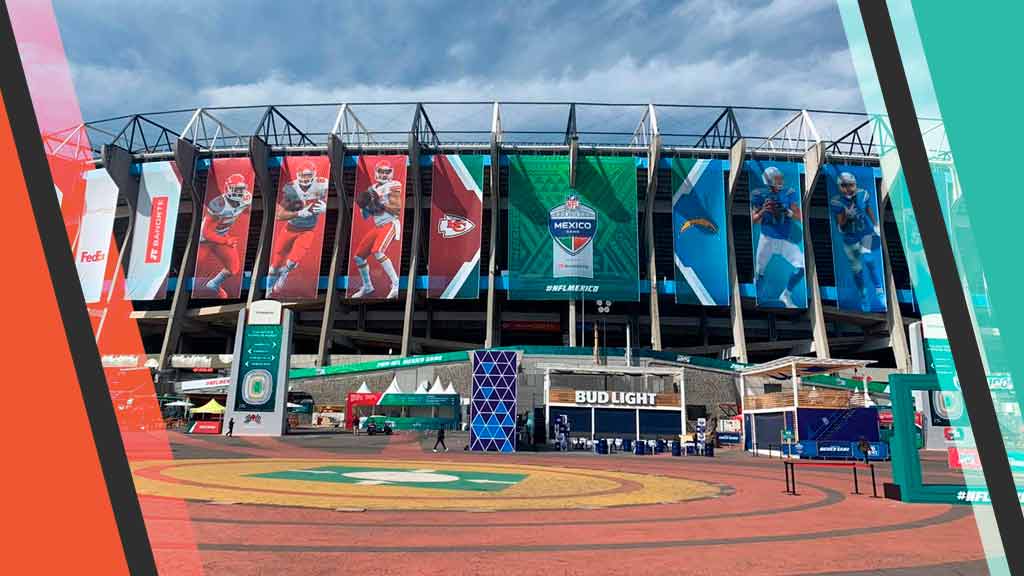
<point x="573" y="225"/>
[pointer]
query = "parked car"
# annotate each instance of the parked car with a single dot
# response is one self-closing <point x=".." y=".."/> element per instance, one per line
<point x="379" y="424"/>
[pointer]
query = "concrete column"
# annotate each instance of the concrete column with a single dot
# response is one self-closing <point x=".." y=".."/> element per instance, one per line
<point x="796" y="405"/>
<point x="812" y="169"/>
<point x="259" y="154"/>
<point x="893" y="314"/>
<point x="118" y="163"/>
<point x="572" y="322"/>
<point x="336" y="152"/>
<point x="654" y="157"/>
<point x="414" y="252"/>
<point x="682" y="396"/>
<point x="737" y="155"/>
<point x="492" y="260"/>
<point x="185" y="156"/>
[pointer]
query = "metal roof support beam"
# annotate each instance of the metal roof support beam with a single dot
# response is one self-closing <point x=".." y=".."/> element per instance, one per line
<point x="495" y="192"/>
<point x="572" y="139"/>
<point x="336" y="153"/>
<point x="186" y="155"/>
<point x="723" y="133"/>
<point x="893" y="315"/>
<point x="415" y="145"/>
<point x="118" y="163"/>
<point x="737" y="154"/>
<point x="653" y="158"/>
<point x="813" y="159"/>
<point x="259" y="155"/>
<point x="349" y="129"/>
<point x="206" y="132"/>
<point x="277" y="130"/>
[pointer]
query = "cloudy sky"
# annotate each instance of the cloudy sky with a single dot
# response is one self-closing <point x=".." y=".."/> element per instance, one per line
<point x="145" y="55"/>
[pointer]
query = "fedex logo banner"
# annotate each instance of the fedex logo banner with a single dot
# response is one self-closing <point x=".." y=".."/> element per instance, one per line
<point x="156" y="217"/>
<point x="95" y="233"/>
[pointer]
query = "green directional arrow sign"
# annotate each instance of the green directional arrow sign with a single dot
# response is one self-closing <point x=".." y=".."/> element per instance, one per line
<point x="257" y="374"/>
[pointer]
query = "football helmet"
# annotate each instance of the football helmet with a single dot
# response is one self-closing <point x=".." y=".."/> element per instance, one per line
<point x="772" y="178"/>
<point x="847" y="183"/>
<point x="307" y="174"/>
<point x="383" y="172"/>
<point x="236" y="189"/>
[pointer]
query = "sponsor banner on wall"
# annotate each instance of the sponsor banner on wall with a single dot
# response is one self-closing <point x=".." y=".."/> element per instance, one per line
<point x="156" y="217"/>
<point x="856" y="237"/>
<point x="375" y="246"/>
<point x="700" y="248"/>
<point x="777" y="225"/>
<point x="568" y="243"/>
<point x="95" y="232"/>
<point x="456" y="223"/>
<point x="299" y="228"/>
<point x="225" y="229"/>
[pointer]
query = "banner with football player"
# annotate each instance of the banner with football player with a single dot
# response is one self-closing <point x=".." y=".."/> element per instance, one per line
<point x="566" y="243"/>
<point x="95" y="232"/>
<point x="299" y="228"/>
<point x="777" y="223"/>
<point x="856" y="237"/>
<point x="375" y="246"/>
<point x="156" y="217"/>
<point x="456" y="218"/>
<point x="225" y="230"/>
<point x="701" y="250"/>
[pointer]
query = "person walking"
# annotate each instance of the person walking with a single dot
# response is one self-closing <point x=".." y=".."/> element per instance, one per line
<point x="231" y="427"/>
<point x="355" y="425"/>
<point x="865" y="449"/>
<point x="440" y="440"/>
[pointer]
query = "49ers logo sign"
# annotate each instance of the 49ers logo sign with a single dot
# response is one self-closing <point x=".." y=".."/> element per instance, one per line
<point x="452" y="226"/>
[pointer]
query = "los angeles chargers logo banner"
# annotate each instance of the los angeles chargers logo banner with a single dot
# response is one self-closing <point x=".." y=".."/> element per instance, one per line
<point x="566" y="242"/>
<point x="375" y="246"/>
<point x="699" y="238"/>
<point x="156" y="217"/>
<point x="777" y="223"/>
<point x="225" y="229"/>
<point x="301" y="214"/>
<point x="456" y="218"/>
<point x="856" y="238"/>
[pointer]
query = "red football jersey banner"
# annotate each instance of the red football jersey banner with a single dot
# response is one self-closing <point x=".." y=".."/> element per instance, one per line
<point x="225" y="229"/>
<point x="299" y="229"/>
<point x="456" y="215"/>
<point x="375" y="249"/>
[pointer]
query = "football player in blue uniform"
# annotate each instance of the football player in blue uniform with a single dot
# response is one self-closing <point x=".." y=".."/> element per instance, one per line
<point x="854" y="217"/>
<point x="776" y="208"/>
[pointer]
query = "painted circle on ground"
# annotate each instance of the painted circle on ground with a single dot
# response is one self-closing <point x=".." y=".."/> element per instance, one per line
<point x="401" y="476"/>
<point x="409" y="484"/>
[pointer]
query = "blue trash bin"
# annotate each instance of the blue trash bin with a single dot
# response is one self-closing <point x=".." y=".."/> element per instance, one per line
<point x="690" y="451"/>
<point x="602" y="446"/>
<point x="640" y="449"/>
<point x="676" y="448"/>
<point x="627" y="445"/>
<point x="659" y="446"/>
<point x="709" y="450"/>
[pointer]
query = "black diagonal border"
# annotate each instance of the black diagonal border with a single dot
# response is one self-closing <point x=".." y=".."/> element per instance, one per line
<point x="941" y="264"/>
<point x="71" y="304"/>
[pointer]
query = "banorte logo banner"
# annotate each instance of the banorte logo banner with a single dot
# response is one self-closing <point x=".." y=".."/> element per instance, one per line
<point x="375" y="247"/>
<point x="700" y="244"/>
<point x="94" y="239"/>
<point x="777" y="230"/>
<point x="225" y="229"/>
<point x="856" y="237"/>
<point x="156" y="218"/>
<point x="566" y="242"/>
<point x="456" y="224"/>
<point x="299" y="227"/>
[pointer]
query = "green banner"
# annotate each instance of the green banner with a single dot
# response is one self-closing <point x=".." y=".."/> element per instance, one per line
<point x="412" y="361"/>
<point x="566" y="242"/>
<point x="419" y="400"/>
<point x="257" y="370"/>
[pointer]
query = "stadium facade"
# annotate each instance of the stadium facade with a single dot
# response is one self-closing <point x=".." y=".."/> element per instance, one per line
<point x="184" y="328"/>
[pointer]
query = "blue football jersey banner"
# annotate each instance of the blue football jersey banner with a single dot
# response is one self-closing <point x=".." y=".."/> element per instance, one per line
<point x="700" y="244"/>
<point x="856" y="239"/>
<point x="777" y="223"/>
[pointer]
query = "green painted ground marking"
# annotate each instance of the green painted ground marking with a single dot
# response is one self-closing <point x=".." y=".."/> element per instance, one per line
<point x="407" y="477"/>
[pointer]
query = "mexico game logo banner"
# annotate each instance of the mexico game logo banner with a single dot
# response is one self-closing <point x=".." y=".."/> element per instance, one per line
<point x="375" y="247"/>
<point x="456" y="218"/>
<point x="95" y="233"/>
<point x="777" y="223"/>
<point x="856" y="237"/>
<point x="699" y="232"/>
<point x="225" y="230"/>
<point x="156" y="217"/>
<point x="299" y="228"/>
<point x="565" y="242"/>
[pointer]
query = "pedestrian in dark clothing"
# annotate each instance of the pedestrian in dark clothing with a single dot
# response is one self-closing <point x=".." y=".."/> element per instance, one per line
<point x="440" y="440"/>
<point x="865" y="448"/>
<point x="231" y="427"/>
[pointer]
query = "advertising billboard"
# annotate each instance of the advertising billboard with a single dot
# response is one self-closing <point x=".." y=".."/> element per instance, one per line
<point x="856" y="237"/>
<point x="456" y="224"/>
<point x="777" y="226"/>
<point x="299" y="228"/>
<point x="375" y="246"/>
<point x="95" y="233"/>
<point x="700" y="244"/>
<point x="566" y="243"/>
<point x="225" y="229"/>
<point x="156" y="217"/>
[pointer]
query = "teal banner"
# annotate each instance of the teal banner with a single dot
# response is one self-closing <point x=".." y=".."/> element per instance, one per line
<point x="257" y="370"/>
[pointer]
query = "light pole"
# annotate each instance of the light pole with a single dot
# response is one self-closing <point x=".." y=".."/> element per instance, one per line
<point x="603" y="307"/>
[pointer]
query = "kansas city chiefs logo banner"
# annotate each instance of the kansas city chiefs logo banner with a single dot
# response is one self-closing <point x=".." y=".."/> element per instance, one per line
<point x="456" y="212"/>
<point x="375" y="247"/>
<point x="225" y="230"/>
<point x="156" y="217"/>
<point x="299" y="229"/>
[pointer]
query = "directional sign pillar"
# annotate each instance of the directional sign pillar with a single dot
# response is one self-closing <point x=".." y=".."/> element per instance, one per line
<point x="258" y="395"/>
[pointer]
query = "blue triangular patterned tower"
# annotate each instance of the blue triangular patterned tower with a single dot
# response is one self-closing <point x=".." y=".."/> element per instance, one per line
<point x="492" y="422"/>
